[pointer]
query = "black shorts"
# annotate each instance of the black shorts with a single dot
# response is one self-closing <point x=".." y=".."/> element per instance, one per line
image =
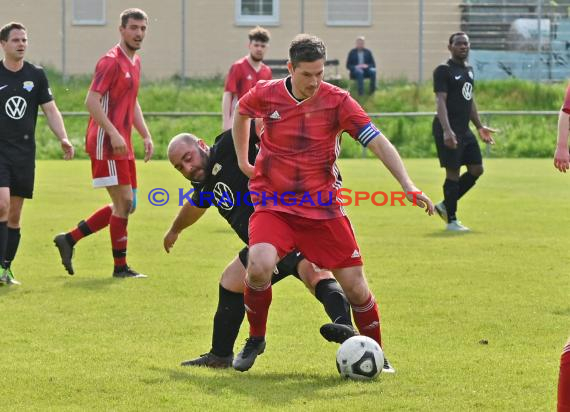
<point x="285" y="267"/>
<point x="466" y="153"/>
<point x="18" y="176"/>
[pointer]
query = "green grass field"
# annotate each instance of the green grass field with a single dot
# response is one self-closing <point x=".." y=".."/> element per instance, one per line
<point x="90" y="342"/>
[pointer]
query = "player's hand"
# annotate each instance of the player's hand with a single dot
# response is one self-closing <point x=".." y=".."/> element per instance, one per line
<point x="148" y="148"/>
<point x="486" y="134"/>
<point x="67" y="148"/>
<point x="450" y="140"/>
<point x="118" y="143"/>
<point x="562" y="159"/>
<point x="419" y="198"/>
<point x="169" y="240"/>
<point x="247" y="169"/>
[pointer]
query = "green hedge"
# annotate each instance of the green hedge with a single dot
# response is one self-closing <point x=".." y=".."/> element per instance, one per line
<point x="519" y="137"/>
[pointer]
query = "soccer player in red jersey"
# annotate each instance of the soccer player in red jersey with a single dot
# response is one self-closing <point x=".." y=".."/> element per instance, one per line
<point x="562" y="163"/>
<point x="114" y="109"/>
<point x="245" y="73"/>
<point x="304" y="118"/>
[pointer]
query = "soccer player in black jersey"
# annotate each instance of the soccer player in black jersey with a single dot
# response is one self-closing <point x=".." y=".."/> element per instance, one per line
<point x="218" y="181"/>
<point x="23" y="88"/>
<point x="453" y="84"/>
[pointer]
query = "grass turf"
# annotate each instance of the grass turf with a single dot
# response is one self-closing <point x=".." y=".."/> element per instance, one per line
<point x="90" y="342"/>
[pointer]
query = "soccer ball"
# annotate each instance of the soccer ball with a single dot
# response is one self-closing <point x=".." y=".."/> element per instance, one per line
<point x="359" y="357"/>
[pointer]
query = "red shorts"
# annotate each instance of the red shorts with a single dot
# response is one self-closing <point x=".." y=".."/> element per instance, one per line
<point x="329" y="244"/>
<point x="114" y="172"/>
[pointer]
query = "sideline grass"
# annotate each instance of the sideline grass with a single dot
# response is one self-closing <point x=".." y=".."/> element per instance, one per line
<point x="90" y="342"/>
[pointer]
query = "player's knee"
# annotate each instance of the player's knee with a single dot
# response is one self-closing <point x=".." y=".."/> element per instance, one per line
<point x="5" y="207"/>
<point x="357" y="292"/>
<point x="259" y="270"/>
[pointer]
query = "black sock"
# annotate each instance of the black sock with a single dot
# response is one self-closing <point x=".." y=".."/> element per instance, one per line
<point x="451" y="195"/>
<point x="12" y="245"/>
<point x="227" y="322"/>
<point x="331" y="295"/>
<point x="466" y="182"/>
<point x="3" y="241"/>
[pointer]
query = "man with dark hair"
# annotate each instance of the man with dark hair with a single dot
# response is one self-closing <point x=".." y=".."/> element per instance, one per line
<point x="361" y="65"/>
<point x="114" y="108"/>
<point x="303" y="119"/>
<point x="23" y="88"/>
<point x="217" y="180"/>
<point x="453" y="84"/>
<point x="245" y="73"/>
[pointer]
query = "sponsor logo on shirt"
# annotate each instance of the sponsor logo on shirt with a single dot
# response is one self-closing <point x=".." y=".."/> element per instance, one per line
<point x="275" y="115"/>
<point x="470" y="74"/>
<point x="127" y="75"/>
<point x="224" y="196"/>
<point x="467" y="91"/>
<point x="216" y="169"/>
<point x="16" y="107"/>
<point x="355" y="254"/>
<point x="457" y="77"/>
<point x="28" y="85"/>
<point x="249" y="77"/>
<point x="3" y="87"/>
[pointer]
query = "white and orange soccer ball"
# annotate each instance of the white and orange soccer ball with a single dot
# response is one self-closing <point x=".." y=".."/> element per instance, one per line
<point x="360" y="357"/>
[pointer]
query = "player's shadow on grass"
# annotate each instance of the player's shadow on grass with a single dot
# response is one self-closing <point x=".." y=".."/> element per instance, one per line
<point x="92" y="283"/>
<point x="448" y="234"/>
<point x="263" y="387"/>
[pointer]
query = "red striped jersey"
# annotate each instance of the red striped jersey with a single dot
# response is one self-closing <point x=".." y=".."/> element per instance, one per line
<point x="116" y="78"/>
<point x="242" y="77"/>
<point x="300" y="145"/>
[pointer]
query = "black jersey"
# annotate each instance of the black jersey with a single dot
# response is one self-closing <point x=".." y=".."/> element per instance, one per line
<point x="226" y="187"/>
<point x="457" y="81"/>
<point x="21" y="93"/>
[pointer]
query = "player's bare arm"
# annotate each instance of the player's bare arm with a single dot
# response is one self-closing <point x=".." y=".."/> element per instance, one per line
<point x="55" y="123"/>
<point x="227" y="100"/>
<point x="561" y="155"/>
<point x="187" y="216"/>
<point x="140" y="125"/>
<point x="485" y="132"/>
<point x="449" y="138"/>
<point x="240" y="133"/>
<point x="387" y="153"/>
<point x="93" y="105"/>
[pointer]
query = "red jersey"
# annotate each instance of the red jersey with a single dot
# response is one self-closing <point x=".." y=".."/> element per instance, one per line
<point x="300" y="146"/>
<point x="242" y="77"/>
<point x="117" y="79"/>
<point x="566" y="105"/>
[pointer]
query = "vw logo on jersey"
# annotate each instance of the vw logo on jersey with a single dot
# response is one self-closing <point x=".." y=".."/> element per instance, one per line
<point x="16" y="107"/>
<point x="467" y="91"/>
<point x="224" y="196"/>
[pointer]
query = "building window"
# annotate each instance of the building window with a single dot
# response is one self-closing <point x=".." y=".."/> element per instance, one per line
<point x="349" y="12"/>
<point x="253" y="12"/>
<point x="89" y="12"/>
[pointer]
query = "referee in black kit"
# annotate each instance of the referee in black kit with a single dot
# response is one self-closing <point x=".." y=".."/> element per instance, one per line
<point x="23" y="88"/>
<point x="453" y="85"/>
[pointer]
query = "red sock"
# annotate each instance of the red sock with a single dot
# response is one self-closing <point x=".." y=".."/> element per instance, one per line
<point x="367" y="319"/>
<point x="564" y="381"/>
<point x="257" y="303"/>
<point x="118" y="230"/>
<point x="94" y="223"/>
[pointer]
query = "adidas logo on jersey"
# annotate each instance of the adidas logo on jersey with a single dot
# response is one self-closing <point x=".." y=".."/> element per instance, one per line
<point x="355" y="254"/>
<point x="127" y="75"/>
<point x="275" y="115"/>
